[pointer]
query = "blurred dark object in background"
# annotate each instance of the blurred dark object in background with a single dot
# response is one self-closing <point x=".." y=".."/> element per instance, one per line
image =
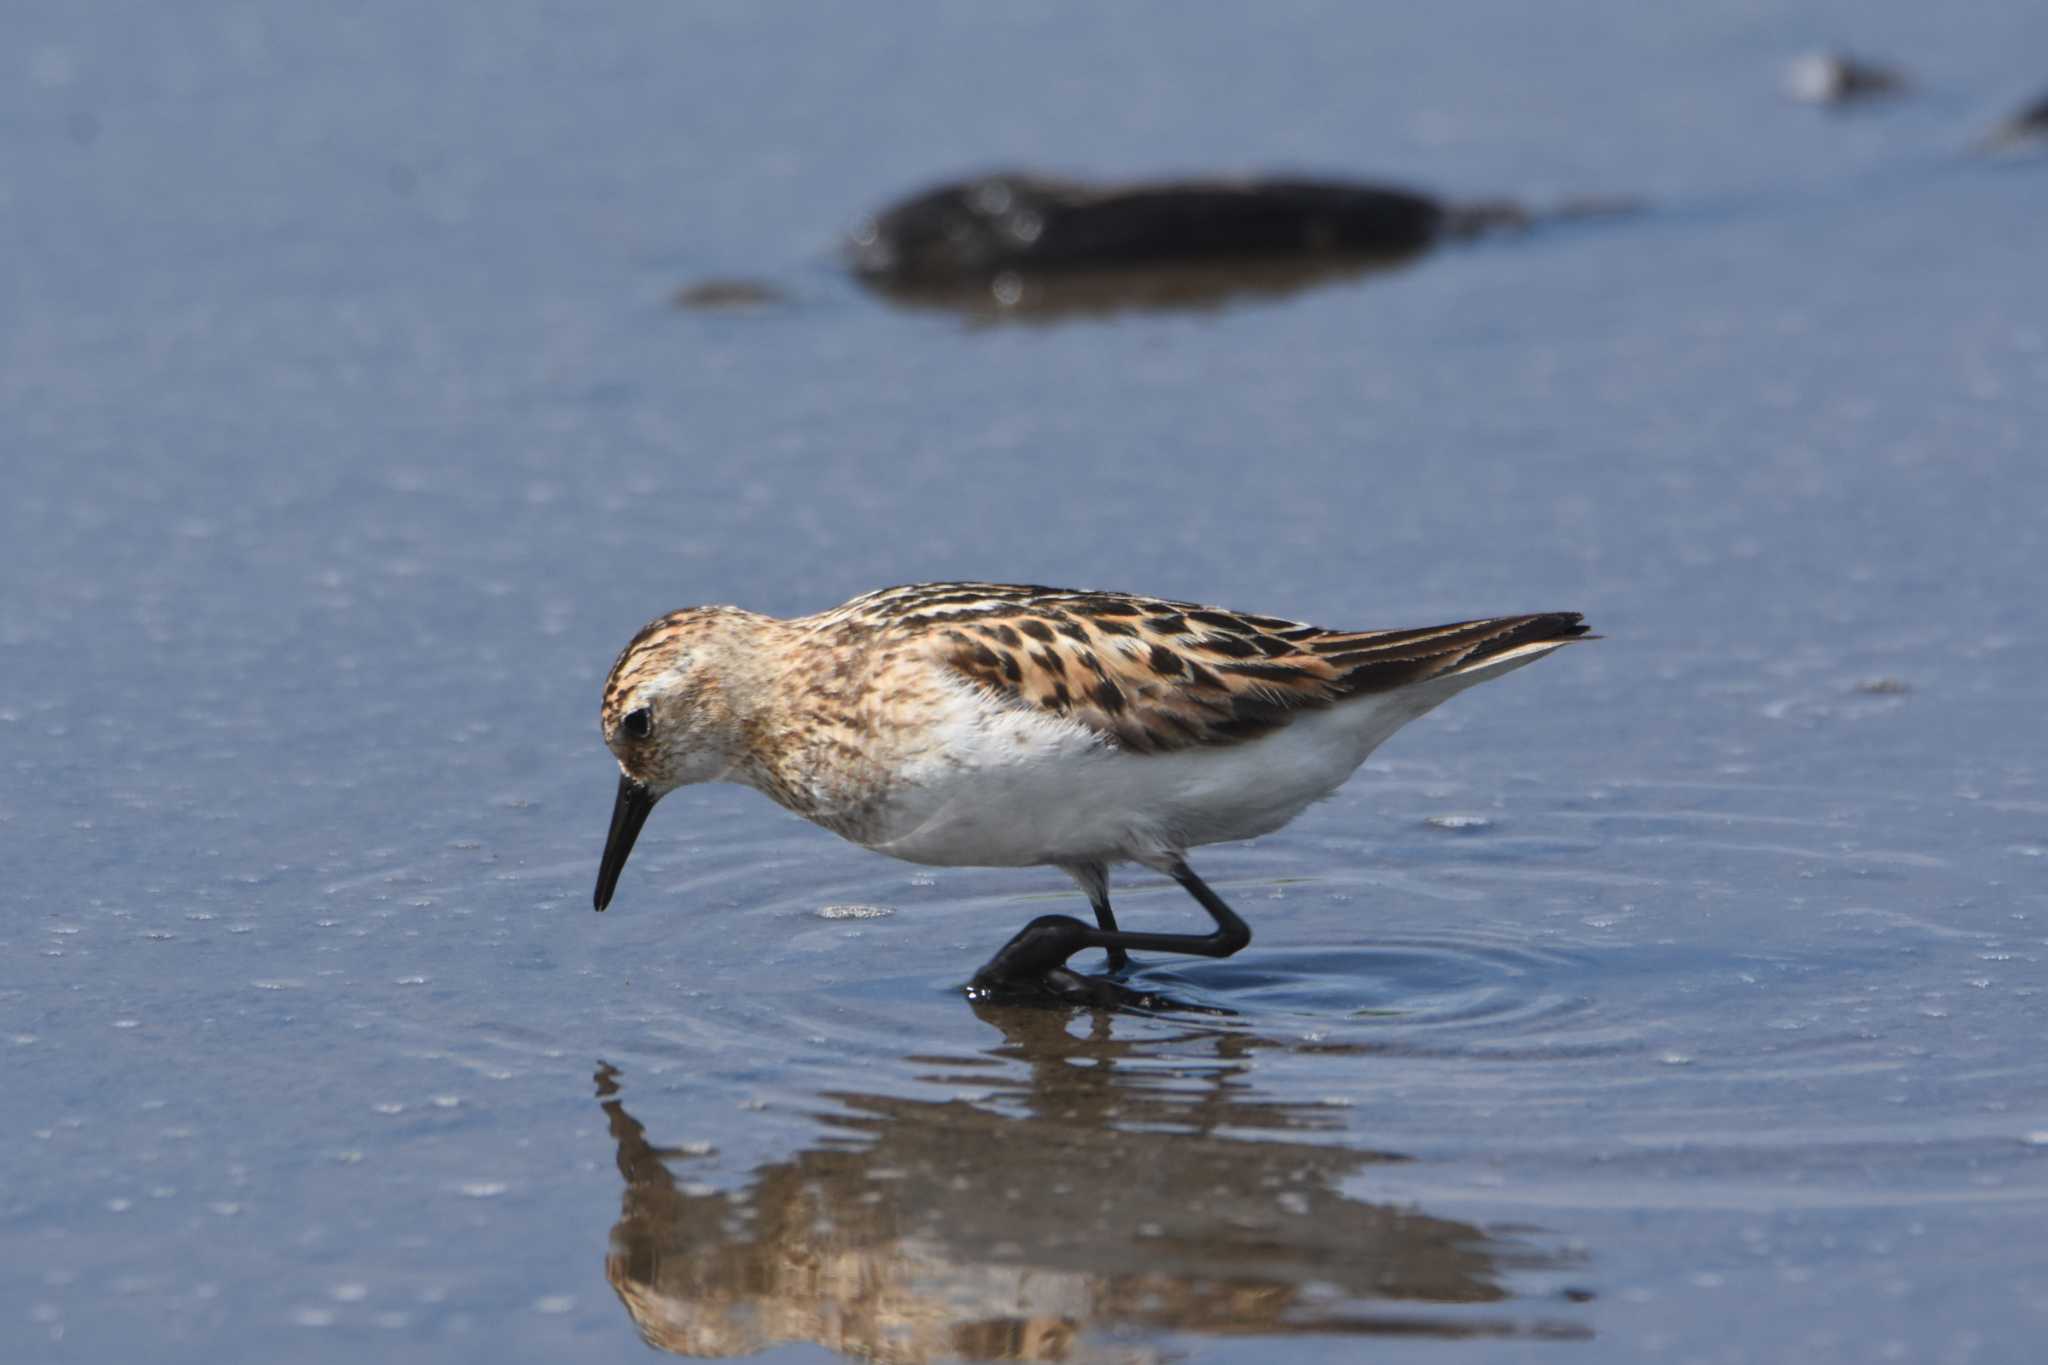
<point x="1016" y="242"/>
<point x="729" y="295"/>
<point x="2025" y="130"/>
<point x="1836" y="78"/>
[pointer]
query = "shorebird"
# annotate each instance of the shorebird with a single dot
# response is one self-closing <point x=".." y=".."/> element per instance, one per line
<point x="996" y="725"/>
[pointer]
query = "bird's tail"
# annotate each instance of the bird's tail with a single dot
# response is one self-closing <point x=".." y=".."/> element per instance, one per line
<point x="1378" y="661"/>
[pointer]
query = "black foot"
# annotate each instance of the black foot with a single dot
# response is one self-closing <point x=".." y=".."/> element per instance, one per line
<point x="1033" y="965"/>
<point x="1032" y="968"/>
<point x="1058" y="987"/>
<point x="1062" y="989"/>
<point x="1039" y="947"/>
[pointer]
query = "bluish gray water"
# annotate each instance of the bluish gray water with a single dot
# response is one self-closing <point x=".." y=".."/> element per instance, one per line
<point x="1677" y="999"/>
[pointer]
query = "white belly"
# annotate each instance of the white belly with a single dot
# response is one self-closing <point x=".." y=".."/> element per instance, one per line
<point x="1013" y="788"/>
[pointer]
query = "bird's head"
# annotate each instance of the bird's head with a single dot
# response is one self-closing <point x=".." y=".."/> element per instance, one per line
<point x="671" y="718"/>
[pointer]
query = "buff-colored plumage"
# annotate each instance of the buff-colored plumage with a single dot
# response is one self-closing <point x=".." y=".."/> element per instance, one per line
<point x="989" y="724"/>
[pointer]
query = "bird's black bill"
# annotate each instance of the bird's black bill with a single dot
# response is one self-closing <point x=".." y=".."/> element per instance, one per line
<point x="629" y="812"/>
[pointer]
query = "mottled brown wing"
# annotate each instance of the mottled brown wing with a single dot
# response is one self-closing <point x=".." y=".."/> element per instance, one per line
<point x="1155" y="676"/>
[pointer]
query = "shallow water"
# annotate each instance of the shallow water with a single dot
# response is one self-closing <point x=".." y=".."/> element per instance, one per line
<point x="1678" y="999"/>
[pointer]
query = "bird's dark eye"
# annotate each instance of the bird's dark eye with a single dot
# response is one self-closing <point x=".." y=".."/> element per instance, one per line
<point x="638" y="723"/>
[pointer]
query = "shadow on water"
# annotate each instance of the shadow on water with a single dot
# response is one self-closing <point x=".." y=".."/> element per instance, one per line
<point x="1097" y="1189"/>
<point x="1060" y="296"/>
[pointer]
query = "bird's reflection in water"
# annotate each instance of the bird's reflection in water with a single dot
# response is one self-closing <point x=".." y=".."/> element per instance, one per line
<point x="1097" y="1192"/>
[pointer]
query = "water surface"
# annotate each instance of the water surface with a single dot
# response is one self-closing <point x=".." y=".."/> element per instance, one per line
<point x="1677" y="999"/>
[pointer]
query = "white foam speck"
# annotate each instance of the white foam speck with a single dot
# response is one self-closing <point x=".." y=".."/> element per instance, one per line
<point x="352" y="1292"/>
<point x="1457" y="821"/>
<point x="484" y="1189"/>
<point x="313" y="1317"/>
<point x="854" y="912"/>
<point x="554" y="1303"/>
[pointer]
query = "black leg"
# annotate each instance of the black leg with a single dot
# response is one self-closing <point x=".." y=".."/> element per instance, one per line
<point x="1094" y="880"/>
<point x="1037" y="956"/>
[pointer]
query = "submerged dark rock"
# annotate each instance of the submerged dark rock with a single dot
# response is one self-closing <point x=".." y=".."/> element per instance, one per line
<point x="974" y="228"/>
<point x="1015" y="240"/>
